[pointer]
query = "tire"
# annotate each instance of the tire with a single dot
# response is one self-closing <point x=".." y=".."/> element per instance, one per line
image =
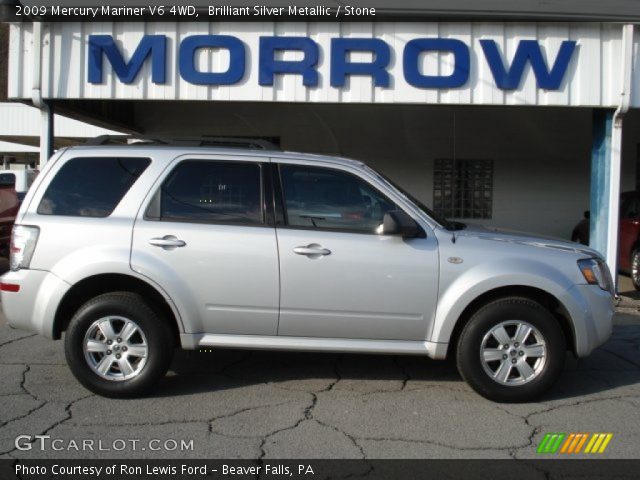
<point x="635" y="269"/>
<point x="144" y="348"/>
<point x="543" y="350"/>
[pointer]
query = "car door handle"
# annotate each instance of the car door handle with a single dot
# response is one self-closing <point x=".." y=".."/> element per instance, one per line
<point x="312" y="250"/>
<point x="168" y="242"/>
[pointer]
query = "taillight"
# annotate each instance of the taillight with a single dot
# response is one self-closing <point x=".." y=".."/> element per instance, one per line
<point x="23" y="244"/>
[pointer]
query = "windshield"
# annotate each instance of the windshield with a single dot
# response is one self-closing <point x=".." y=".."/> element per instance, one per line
<point x="448" y="224"/>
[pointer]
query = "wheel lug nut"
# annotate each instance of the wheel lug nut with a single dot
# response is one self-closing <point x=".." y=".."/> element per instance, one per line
<point x="506" y="346"/>
<point x="521" y="353"/>
<point x="512" y="361"/>
<point x="124" y="349"/>
<point x="109" y="342"/>
<point x="504" y="357"/>
<point x="118" y="356"/>
<point x="108" y="352"/>
<point x="119" y="340"/>
<point x="516" y="344"/>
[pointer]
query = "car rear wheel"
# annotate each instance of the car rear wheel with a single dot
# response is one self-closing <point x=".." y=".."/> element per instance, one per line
<point x="118" y="346"/>
<point x="511" y="350"/>
<point x="635" y="269"/>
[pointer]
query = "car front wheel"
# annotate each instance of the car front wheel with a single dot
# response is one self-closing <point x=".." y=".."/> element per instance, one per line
<point x="118" y="346"/>
<point x="511" y="350"/>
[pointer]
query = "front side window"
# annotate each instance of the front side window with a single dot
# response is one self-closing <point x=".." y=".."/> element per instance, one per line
<point x="330" y="199"/>
<point x="91" y="187"/>
<point x="212" y="192"/>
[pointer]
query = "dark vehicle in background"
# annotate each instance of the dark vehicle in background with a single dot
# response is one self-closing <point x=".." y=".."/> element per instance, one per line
<point x="629" y="236"/>
<point x="13" y="187"/>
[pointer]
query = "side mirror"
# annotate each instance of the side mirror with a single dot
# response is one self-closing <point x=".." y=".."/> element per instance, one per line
<point x="397" y="222"/>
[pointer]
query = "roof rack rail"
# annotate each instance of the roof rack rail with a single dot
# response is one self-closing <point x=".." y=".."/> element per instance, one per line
<point x="203" y="141"/>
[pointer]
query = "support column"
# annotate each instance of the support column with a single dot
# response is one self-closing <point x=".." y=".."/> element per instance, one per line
<point x="605" y="187"/>
<point x="46" y="135"/>
<point x="600" y="168"/>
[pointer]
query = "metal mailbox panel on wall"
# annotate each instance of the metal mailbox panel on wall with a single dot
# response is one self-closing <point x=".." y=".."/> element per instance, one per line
<point x="591" y="76"/>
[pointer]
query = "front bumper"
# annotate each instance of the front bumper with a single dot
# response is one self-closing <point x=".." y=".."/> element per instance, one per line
<point x="34" y="307"/>
<point x="591" y="310"/>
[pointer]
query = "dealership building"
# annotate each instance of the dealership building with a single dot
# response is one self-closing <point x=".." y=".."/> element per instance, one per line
<point x="488" y="117"/>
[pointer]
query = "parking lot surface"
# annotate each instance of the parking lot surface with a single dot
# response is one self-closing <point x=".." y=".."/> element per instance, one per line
<point x="251" y="404"/>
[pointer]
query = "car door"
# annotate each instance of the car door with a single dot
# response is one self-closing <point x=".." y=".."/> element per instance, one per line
<point x="206" y="238"/>
<point x="339" y="277"/>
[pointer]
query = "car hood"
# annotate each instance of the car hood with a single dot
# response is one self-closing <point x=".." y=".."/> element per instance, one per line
<point x="523" y="238"/>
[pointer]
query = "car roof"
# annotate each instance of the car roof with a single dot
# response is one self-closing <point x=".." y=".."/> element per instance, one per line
<point x="175" y="151"/>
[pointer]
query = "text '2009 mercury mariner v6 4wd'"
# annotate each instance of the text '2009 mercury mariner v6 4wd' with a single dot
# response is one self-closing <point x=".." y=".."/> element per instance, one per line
<point x="132" y="250"/>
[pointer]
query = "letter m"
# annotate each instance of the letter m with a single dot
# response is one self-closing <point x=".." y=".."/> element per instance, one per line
<point x="150" y="45"/>
<point x="528" y="51"/>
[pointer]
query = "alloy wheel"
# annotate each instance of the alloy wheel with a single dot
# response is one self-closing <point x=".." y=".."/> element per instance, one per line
<point x="513" y="353"/>
<point x="635" y="268"/>
<point x="115" y="348"/>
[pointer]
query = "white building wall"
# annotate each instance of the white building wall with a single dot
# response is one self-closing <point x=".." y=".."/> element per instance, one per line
<point x="8" y="148"/>
<point x="593" y="77"/>
<point x="19" y="120"/>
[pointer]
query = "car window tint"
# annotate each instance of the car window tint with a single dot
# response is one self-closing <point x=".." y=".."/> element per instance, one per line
<point x="91" y="187"/>
<point x="213" y="192"/>
<point x="7" y="180"/>
<point x="631" y="207"/>
<point x="331" y="199"/>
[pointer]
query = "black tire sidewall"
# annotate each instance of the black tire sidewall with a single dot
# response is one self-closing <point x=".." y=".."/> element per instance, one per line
<point x="156" y="331"/>
<point x="515" y="308"/>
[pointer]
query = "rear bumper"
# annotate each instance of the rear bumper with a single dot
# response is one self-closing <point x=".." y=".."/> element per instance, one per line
<point x="34" y="306"/>
<point x="591" y="310"/>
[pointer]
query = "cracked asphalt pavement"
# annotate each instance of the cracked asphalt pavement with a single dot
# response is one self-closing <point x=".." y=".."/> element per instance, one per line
<point x="252" y="404"/>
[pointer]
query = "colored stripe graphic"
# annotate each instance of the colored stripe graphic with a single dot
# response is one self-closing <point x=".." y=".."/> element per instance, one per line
<point x="581" y="443"/>
<point x="573" y="443"/>
<point x="567" y="443"/>
<point x="551" y="442"/>
<point x="598" y="443"/>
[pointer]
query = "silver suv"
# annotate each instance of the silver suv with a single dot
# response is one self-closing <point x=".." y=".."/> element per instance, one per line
<point x="133" y="250"/>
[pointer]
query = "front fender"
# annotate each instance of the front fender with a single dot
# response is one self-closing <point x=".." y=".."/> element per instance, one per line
<point x="457" y="294"/>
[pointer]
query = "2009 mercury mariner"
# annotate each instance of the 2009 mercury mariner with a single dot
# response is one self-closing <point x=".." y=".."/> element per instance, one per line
<point x="132" y="250"/>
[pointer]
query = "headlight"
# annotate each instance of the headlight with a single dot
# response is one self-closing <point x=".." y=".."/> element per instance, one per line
<point x="596" y="272"/>
<point x="23" y="244"/>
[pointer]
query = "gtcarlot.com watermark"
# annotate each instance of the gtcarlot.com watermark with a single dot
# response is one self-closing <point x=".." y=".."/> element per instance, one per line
<point x="47" y="443"/>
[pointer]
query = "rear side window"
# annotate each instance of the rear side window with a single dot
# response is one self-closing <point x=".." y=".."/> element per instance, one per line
<point x="91" y="187"/>
<point x="211" y="192"/>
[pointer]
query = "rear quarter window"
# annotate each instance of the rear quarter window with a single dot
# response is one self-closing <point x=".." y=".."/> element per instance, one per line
<point x="91" y="187"/>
